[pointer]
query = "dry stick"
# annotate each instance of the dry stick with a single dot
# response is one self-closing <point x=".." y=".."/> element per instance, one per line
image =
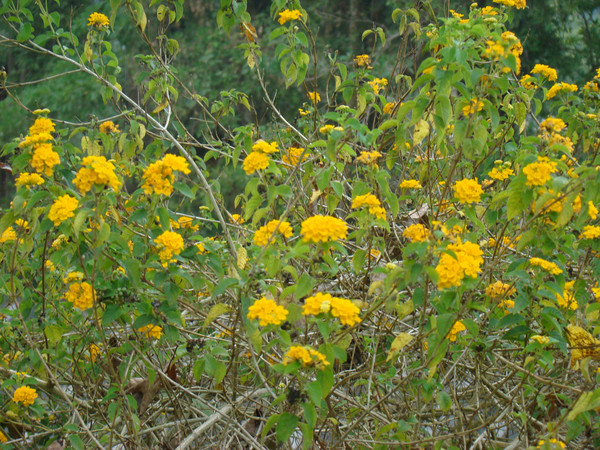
<point x="167" y="134"/>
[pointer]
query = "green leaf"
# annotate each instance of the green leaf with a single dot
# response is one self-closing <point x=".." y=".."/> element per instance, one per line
<point x="305" y="285"/>
<point x="184" y="189"/>
<point x="216" y="311"/>
<point x="223" y="285"/>
<point x="103" y="234"/>
<point x="112" y="313"/>
<point x="443" y="400"/>
<point x="285" y="426"/>
<point x="25" y="32"/>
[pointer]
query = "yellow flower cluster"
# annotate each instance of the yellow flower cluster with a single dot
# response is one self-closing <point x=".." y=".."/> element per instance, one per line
<point x="342" y="308"/>
<point x="552" y="125"/>
<point x="538" y="173"/>
<point x="416" y="233"/>
<point x="548" y="72"/>
<point x="471" y="108"/>
<point x="590" y="232"/>
<point x="321" y="228"/>
<point x="108" y="127"/>
<point x="306" y="355"/>
<point x="96" y="170"/>
<point x="377" y="84"/>
<point x="325" y="129"/>
<point x="456" y="328"/>
<point x="8" y="235"/>
<point x="29" y="179"/>
<point x="371" y="202"/>
<point x="257" y="159"/>
<point x="410" y="184"/>
<point x="467" y="190"/>
<point x="314" y="96"/>
<point x="363" y="61"/>
<point x="151" y="331"/>
<point x="267" y="312"/>
<point x="289" y="14"/>
<point x="500" y="174"/>
<point x="62" y="209"/>
<point x="540" y="339"/>
<point x="184" y="222"/>
<point x="560" y="87"/>
<point x="169" y="244"/>
<point x="158" y="177"/>
<point x="452" y="270"/>
<point x="25" y="395"/>
<point x="93" y="353"/>
<point x="552" y="444"/>
<point x="264" y="233"/>
<point x="567" y="299"/>
<point x="389" y="107"/>
<point x="546" y="265"/>
<point x="98" y="20"/>
<point x="592" y="210"/>
<point x="81" y="295"/>
<point x="236" y="219"/>
<point x="369" y="158"/>
<point x="44" y="159"/>
<point x="519" y="4"/>
<point x="294" y="155"/>
<point x="41" y="125"/>
<point x="499" y="289"/>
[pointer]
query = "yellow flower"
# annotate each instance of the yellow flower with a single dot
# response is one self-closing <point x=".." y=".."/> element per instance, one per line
<point x="567" y="299"/>
<point x="552" y="444"/>
<point x="93" y="353"/>
<point x="506" y="304"/>
<point x="44" y="159"/>
<point x="294" y="156"/>
<point x="538" y="173"/>
<point x="372" y="203"/>
<point x="473" y="107"/>
<point x="8" y="235"/>
<point x="96" y="170"/>
<point x="545" y="71"/>
<point x="306" y="355"/>
<point x="169" y="244"/>
<point x="321" y="228"/>
<point x="41" y="125"/>
<point x="489" y="11"/>
<point x="314" y="96"/>
<point x="499" y="289"/>
<point x="377" y="84"/>
<point x="25" y="395"/>
<point x="184" y="222"/>
<point x="590" y="232"/>
<point x="236" y="219"/>
<point x="325" y="129"/>
<point x="540" y="339"/>
<point x="286" y="15"/>
<point x="592" y="210"/>
<point x="362" y="60"/>
<point x="265" y="147"/>
<point x="456" y="328"/>
<point x="449" y="272"/>
<point x="255" y="161"/>
<point x="158" y="177"/>
<point x="389" y="107"/>
<point x="519" y="4"/>
<point x="500" y="174"/>
<point x="583" y="344"/>
<point x="267" y="312"/>
<point x="35" y="139"/>
<point x="82" y="295"/>
<point x="264" y="233"/>
<point x="98" y="20"/>
<point x="410" y="184"/>
<point x="62" y="209"/>
<point x="108" y="127"/>
<point x="50" y="265"/>
<point x="559" y="87"/>
<point x="546" y="265"/>
<point x="29" y="179"/>
<point x="151" y="331"/>
<point x="467" y="190"/>
<point x="369" y="158"/>
<point x="416" y="233"/>
<point x="3" y="438"/>
<point x="552" y="124"/>
<point x="345" y="310"/>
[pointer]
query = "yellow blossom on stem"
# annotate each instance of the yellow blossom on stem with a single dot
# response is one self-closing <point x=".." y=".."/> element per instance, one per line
<point x="169" y="244"/>
<point x="264" y="233"/>
<point x="41" y="125"/>
<point x="29" y="179"/>
<point x="267" y="312"/>
<point x="545" y="71"/>
<point x="546" y="265"/>
<point x="289" y="14"/>
<point x="321" y="228"/>
<point x="567" y="299"/>
<point x="540" y="339"/>
<point x="590" y="232"/>
<point x="369" y="158"/>
<point x="82" y="295"/>
<point x="560" y="87"/>
<point x="158" y="177"/>
<point x="255" y="161"/>
<point x="98" y="20"/>
<point x="265" y="147"/>
<point x="467" y="190"/>
<point x="108" y="127"/>
<point x="473" y="107"/>
<point x="538" y="173"/>
<point x="499" y="289"/>
<point x="410" y="184"/>
<point x="294" y="155"/>
<point x="346" y="311"/>
<point x="96" y="170"/>
<point x="377" y="84"/>
<point x="151" y="331"/>
<point x="314" y="96"/>
<point x="592" y="210"/>
<point x="416" y="233"/>
<point x="62" y="209"/>
<point x="306" y="355"/>
<point x="456" y="328"/>
<point x="44" y="159"/>
<point x="363" y="61"/>
<point x="25" y="395"/>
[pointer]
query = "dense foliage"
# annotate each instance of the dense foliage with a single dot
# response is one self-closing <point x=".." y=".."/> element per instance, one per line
<point x="408" y="259"/>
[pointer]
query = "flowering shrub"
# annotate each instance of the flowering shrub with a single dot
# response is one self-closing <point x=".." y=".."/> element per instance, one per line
<point x="411" y="261"/>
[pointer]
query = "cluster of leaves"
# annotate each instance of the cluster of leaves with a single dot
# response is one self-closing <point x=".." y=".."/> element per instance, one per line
<point x="411" y="260"/>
